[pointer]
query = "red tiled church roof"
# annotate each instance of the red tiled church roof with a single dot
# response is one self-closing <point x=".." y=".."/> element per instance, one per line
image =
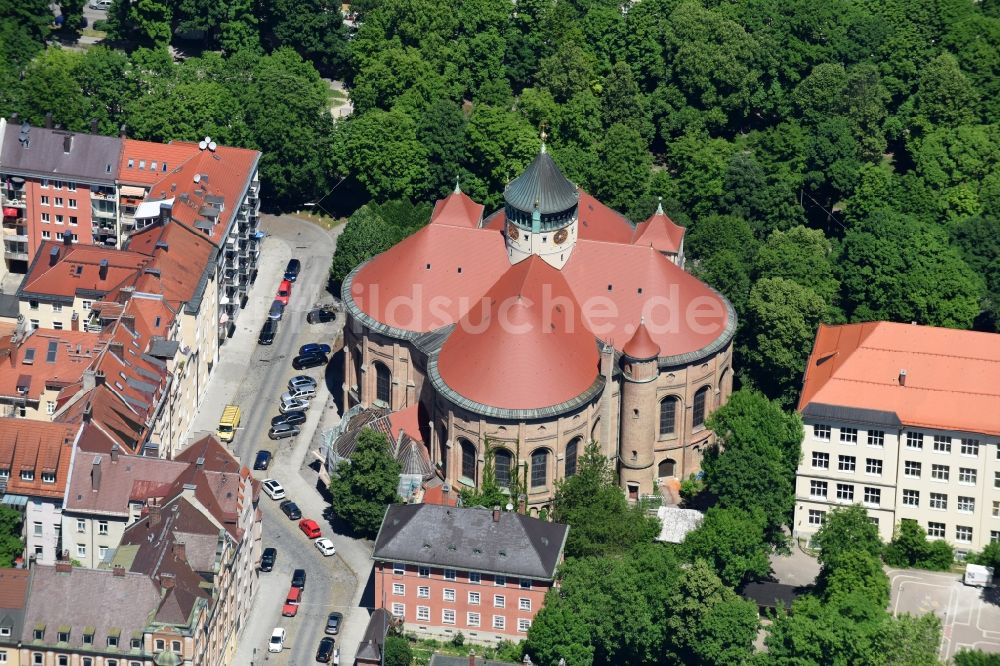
<point x="523" y="345"/>
<point x="661" y="232"/>
<point x="641" y="346"/>
<point x="457" y="209"/>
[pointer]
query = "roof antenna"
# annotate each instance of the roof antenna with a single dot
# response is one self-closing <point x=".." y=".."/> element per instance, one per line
<point x="544" y="137"/>
<point x="659" y="206"/>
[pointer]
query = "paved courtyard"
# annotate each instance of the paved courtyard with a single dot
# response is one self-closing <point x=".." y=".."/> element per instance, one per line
<point x="970" y="616"/>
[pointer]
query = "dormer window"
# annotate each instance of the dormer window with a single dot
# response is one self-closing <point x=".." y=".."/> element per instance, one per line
<point x="4" y="472"/>
<point x="48" y="477"/>
<point x="131" y="163"/>
<point x="27" y="475"/>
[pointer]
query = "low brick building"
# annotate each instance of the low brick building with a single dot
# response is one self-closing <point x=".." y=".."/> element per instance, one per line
<point x="443" y="570"/>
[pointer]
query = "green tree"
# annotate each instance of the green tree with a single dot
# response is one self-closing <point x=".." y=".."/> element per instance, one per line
<point x="48" y="86"/>
<point x="490" y="493"/>
<point x="11" y="545"/>
<point x="708" y="623"/>
<point x="621" y="174"/>
<point x="441" y="131"/>
<point x="854" y="573"/>
<point x="804" y="256"/>
<point x="314" y="28"/>
<point x="753" y="461"/>
<point x="896" y="268"/>
<point x="990" y="557"/>
<point x="846" y="530"/>
<point x="364" y="487"/>
<point x="397" y="651"/>
<point x="910" y="548"/>
<point x="733" y="542"/>
<point x="559" y="632"/>
<point x="381" y="150"/>
<point x="910" y="640"/>
<point x="365" y="235"/>
<point x="781" y="322"/>
<point x="967" y="657"/>
<point x="600" y="518"/>
<point x="190" y="112"/>
<point x="499" y="145"/>
<point x="945" y="96"/>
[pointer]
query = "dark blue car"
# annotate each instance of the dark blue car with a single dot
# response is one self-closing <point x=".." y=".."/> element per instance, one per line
<point x="263" y="460"/>
<point x="292" y="270"/>
<point x="314" y="348"/>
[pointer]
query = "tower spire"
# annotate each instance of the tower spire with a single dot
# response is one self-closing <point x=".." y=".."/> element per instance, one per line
<point x="659" y="206"/>
<point x="458" y="189"/>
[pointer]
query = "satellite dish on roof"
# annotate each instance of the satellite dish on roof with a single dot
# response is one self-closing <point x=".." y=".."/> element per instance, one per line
<point x="509" y="507"/>
<point x="202" y="145"/>
<point x="212" y="146"/>
<point x="197" y="178"/>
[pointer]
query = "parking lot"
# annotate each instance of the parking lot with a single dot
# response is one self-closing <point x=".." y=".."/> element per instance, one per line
<point x="970" y="616"/>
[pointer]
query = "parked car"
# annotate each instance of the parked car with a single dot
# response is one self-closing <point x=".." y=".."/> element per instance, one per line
<point x="277" y="642"/>
<point x="267" y="559"/>
<point x="263" y="460"/>
<point x="303" y="393"/>
<point x="290" y="509"/>
<point x="310" y="528"/>
<point x="301" y="381"/>
<point x="299" y="578"/>
<point x="325" y="546"/>
<point x="292" y="601"/>
<point x="284" y="431"/>
<point x="100" y="4"/>
<point x="268" y="331"/>
<point x="273" y="489"/>
<point x="291" y="418"/>
<point x="333" y="621"/>
<point x="292" y="270"/>
<point x="277" y="310"/>
<point x="314" y="348"/>
<point x="305" y="361"/>
<point x="284" y="292"/>
<point x="321" y="315"/>
<point x="325" y="650"/>
<point x="291" y="404"/>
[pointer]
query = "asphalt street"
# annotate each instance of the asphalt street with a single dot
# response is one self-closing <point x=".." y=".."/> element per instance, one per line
<point x="254" y="376"/>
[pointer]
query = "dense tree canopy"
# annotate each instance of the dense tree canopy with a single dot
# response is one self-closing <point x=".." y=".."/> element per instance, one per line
<point x="11" y="545"/>
<point x="364" y="487"/>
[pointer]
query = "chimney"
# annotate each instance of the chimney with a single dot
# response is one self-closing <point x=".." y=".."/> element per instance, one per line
<point x="54" y="255"/>
<point x="164" y="213"/>
<point x="114" y="453"/>
<point x="93" y="125"/>
<point x="95" y="474"/>
<point x="166" y="581"/>
<point x="99" y="378"/>
<point x="496" y="514"/>
<point x="154" y="516"/>
<point x="103" y="269"/>
<point x="179" y="551"/>
<point x="48" y="120"/>
<point x="89" y="380"/>
<point x="67" y="238"/>
<point x="67" y="143"/>
<point x="902" y="377"/>
<point x="118" y="571"/>
<point x="88" y="412"/>
<point x="64" y="566"/>
<point x="121" y="131"/>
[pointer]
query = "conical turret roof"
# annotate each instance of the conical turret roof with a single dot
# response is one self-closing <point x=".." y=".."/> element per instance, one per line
<point x="641" y="347"/>
<point x="542" y="185"/>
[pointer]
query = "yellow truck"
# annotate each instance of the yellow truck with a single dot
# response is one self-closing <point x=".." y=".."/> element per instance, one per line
<point x="229" y="422"/>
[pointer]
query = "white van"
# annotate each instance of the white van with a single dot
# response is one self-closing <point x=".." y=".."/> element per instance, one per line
<point x="976" y="575"/>
<point x="100" y="4"/>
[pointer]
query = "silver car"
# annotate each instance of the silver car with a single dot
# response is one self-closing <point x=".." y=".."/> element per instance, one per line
<point x="292" y="405"/>
<point x="301" y="382"/>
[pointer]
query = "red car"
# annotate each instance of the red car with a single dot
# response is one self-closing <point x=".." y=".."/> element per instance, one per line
<point x="292" y="602"/>
<point x="284" y="292"/>
<point x="310" y="528"/>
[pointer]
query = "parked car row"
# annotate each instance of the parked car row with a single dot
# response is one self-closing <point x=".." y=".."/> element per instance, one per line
<point x="270" y="328"/>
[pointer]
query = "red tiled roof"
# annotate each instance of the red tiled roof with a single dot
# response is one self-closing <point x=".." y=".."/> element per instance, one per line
<point x="682" y="313"/>
<point x="181" y="263"/>
<point x="457" y="209"/>
<point x="641" y="346"/>
<point x="13" y="588"/>
<point x="596" y="222"/>
<point x="523" y="345"/>
<point x="224" y="172"/>
<point x="38" y="446"/>
<point x="119" y="422"/>
<point x="951" y="375"/>
<point x="452" y="265"/>
<point x="661" y="232"/>
<point x="79" y="268"/>
<point x="405" y="421"/>
<point x="167" y="156"/>
<point x="66" y="368"/>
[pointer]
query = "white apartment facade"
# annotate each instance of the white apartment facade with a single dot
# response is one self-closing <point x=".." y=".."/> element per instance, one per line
<point x="875" y="403"/>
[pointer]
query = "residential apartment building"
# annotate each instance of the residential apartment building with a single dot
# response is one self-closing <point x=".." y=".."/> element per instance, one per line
<point x="34" y="467"/>
<point x="42" y="363"/>
<point x="904" y="420"/>
<point x="442" y="570"/>
<point x="13" y="598"/>
<point x="178" y="588"/>
<point x="47" y="174"/>
<point x="55" y="183"/>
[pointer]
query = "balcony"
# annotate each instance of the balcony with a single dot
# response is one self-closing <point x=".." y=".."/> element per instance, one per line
<point x="14" y="198"/>
<point x="14" y="250"/>
<point x="104" y="214"/>
<point x="19" y="234"/>
<point x="102" y="194"/>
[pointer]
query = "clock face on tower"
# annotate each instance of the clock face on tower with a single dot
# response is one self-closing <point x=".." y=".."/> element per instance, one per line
<point x="561" y="236"/>
<point x="513" y="232"/>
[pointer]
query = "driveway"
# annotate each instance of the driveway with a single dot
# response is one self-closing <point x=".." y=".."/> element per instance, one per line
<point x="970" y="616"/>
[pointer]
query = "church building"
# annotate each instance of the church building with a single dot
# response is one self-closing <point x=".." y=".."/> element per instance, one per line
<point x="521" y="336"/>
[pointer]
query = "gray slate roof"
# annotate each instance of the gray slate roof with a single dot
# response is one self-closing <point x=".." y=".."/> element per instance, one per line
<point x="91" y="158"/>
<point x="542" y="183"/>
<point x="819" y="410"/>
<point x="469" y="539"/>
<point x="370" y="647"/>
<point x="451" y="660"/>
